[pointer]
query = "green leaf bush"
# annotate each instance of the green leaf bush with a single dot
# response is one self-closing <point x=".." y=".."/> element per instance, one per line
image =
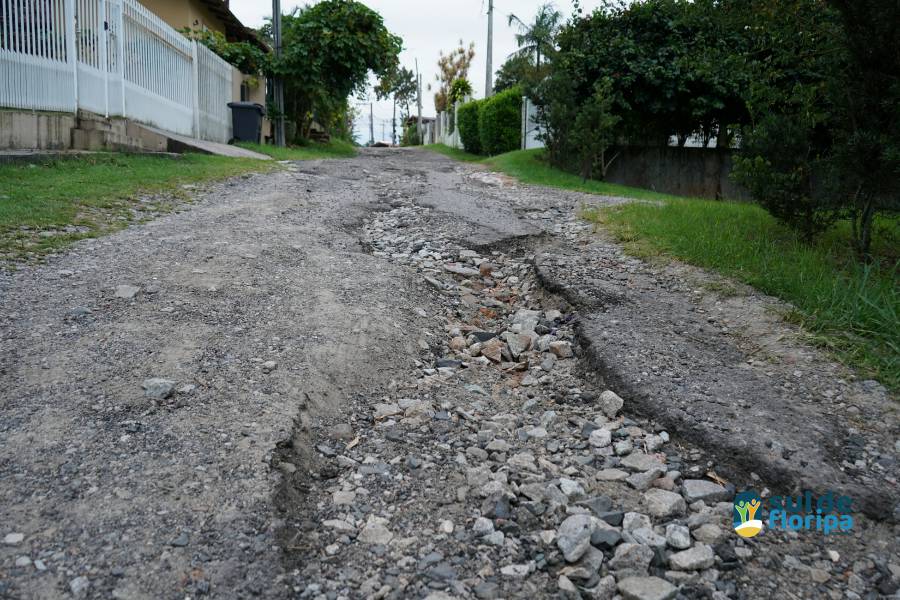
<point x="467" y="121"/>
<point x="500" y="122"/>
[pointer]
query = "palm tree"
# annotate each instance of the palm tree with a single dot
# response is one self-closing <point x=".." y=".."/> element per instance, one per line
<point x="538" y="38"/>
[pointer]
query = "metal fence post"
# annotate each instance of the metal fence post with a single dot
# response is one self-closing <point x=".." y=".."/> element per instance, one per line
<point x="524" y="122"/>
<point x="104" y="53"/>
<point x="71" y="49"/>
<point x="195" y="59"/>
<point x="120" y="52"/>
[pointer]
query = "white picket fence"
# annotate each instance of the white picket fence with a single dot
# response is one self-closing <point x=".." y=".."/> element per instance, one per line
<point x="532" y="130"/>
<point x="446" y="131"/>
<point x="114" y="58"/>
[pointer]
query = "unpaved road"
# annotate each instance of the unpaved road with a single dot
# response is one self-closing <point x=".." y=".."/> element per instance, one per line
<point x="339" y="426"/>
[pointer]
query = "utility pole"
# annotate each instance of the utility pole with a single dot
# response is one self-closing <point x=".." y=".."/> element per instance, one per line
<point x="278" y="83"/>
<point x="394" y="123"/>
<point x="489" y="79"/>
<point x="371" y="125"/>
<point x="419" y="132"/>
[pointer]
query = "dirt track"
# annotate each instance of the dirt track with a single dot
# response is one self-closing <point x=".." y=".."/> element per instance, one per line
<point x="284" y="308"/>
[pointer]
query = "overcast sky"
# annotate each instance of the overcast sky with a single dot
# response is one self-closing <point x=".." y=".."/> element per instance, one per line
<point x="427" y="27"/>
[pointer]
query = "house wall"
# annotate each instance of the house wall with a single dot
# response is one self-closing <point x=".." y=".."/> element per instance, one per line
<point x="184" y="13"/>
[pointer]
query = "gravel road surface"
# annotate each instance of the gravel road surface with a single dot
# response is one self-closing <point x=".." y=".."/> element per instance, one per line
<point x="397" y="376"/>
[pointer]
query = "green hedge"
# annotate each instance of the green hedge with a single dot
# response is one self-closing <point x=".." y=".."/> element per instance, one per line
<point x="467" y="121"/>
<point x="500" y="122"/>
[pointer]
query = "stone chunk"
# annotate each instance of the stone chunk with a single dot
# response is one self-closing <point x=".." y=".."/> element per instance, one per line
<point x="600" y="438"/>
<point x="574" y="536"/>
<point x="678" y="536"/>
<point x="375" y="531"/>
<point x="384" y="410"/>
<point x="662" y="504"/>
<point x="610" y="403"/>
<point x="646" y="588"/>
<point x="638" y="461"/>
<point x="127" y="292"/>
<point x="158" y="388"/>
<point x="631" y="560"/>
<point x="562" y="349"/>
<point x="699" y="557"/>
<point x="701" y="489"/>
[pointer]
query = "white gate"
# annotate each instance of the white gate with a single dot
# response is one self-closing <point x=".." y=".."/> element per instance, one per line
<point x="111" y="57"/>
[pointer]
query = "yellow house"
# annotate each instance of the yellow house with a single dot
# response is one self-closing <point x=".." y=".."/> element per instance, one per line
<point x="215" y="15"/>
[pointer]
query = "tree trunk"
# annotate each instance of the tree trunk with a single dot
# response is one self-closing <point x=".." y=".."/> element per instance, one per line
<point x="863" y="242"/>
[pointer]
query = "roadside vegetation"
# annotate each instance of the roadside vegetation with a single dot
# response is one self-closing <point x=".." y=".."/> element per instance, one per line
<point x="531" y="166"/>
<point x="46" y="206"/>
<point x="336" y="148"/>
<point x="849" y="307"/>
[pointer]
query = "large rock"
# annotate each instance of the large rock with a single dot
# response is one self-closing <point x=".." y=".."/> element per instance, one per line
<point x="493" y="350"/>
<point x="708" y="491"/>
<point x="678" y="536"/>
<point x="388" y="409"/>
<point x="663" y="504"/>
<point x="562" y="349"/>
<point x="158" y="388"/>
<point x="600" y="438"/>
<point x="610" y="403"/>
<point x="375" y="531"/>
<point x="527" y="320"/>
<point x="643" y="480"/>
<point x="699" y="557"/>
<point x="127" y="292"/>
<point x="631" y="560"/>
<point x="646" y="588"/>
<point x="638" y="461"/>
<point x="574" y="536"/>
<point x="517" y="342"/>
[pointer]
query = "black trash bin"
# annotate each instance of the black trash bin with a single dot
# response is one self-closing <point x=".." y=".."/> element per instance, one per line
<point x="246" y="121"/>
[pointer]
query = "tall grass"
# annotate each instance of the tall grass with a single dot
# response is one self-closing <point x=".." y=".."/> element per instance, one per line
<point x="851" y="308"/>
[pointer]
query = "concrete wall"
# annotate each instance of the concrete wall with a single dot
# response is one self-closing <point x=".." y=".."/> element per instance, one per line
<point x="695" y="172"/>
<point x="185" y="13"/>
<point x="22" y="130"/>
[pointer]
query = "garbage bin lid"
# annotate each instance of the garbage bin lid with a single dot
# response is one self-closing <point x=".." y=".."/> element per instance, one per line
<point x="253" y="105"/>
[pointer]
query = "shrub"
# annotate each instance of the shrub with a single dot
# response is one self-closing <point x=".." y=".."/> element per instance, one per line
<point x="500" y="122"/>
<point x="467" y="121"/>
<point x="410" y="136"/>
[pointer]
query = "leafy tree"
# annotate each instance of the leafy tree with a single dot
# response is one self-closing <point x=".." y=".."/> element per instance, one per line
<point x="595" y="130"/>
<point x="537" y="39"/>
<point x="400" y="85"/>
<point x="327" y="53"/>
<point x="866" y="165"/>
<point x="460" y="89"/>
<point x="671" y="63"/>
<point x="452" y="66"/>
<point x="521" y="71"/>
<point x="247" y="57"/>
<point x="786" y="150"/>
